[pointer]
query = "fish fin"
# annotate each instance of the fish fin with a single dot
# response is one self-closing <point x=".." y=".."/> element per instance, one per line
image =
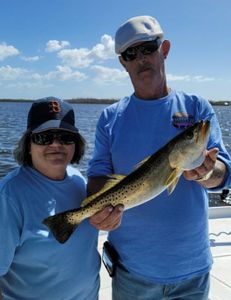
<point x="89" y="199"/>
<point x="60" y="227"/>
<point x="172" y="186"/>
<point x="112" y="181"/>
<point x="139" y="164"/>
<point x="115" y="177"/>
<point x="172" y="180"/>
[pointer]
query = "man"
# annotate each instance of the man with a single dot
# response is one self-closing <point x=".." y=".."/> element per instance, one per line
<point x="33" y="265"/>
<point x="163" y="245"/>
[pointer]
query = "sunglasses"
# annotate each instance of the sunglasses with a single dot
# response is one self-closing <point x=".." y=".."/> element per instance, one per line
<point x="47" y="138"/>
<point x="146" y="48"/>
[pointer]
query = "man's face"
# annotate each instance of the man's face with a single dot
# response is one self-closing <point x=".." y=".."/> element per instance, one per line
<point x="146" y="67"/>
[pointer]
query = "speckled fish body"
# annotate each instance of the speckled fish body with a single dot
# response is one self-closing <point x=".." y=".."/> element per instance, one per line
<point x="152" y="176"/>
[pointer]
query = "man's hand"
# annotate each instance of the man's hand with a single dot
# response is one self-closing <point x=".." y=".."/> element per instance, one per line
<point x="205" y="168"/>
<point x="211" y="173"/>
<point x="108" y="219"/>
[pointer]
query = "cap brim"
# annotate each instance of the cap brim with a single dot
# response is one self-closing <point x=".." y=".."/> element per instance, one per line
<point x="55" y="124"/>
<point x="136" y="40"/>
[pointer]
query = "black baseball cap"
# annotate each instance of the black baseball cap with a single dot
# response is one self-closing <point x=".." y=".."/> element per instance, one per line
<point x="51" y="113"/>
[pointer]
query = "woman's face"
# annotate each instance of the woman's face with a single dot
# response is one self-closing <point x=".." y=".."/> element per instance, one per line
<point x="52" y="159"/>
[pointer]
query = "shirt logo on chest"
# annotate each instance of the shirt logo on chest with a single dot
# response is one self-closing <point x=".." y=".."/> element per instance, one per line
<point x="182" y="120"/>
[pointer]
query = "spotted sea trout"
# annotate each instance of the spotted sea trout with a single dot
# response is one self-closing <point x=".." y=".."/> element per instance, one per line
<point x="152" y="176"/>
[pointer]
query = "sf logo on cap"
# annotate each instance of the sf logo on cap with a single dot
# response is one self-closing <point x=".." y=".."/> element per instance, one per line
<point x="54" y="106"/>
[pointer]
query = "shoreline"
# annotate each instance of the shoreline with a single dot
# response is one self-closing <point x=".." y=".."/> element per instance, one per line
<point x="104" y="101"/>
<point x="77" y="100"/>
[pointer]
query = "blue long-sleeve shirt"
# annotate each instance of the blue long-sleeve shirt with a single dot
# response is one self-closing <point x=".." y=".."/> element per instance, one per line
<point x="166" y="239"/>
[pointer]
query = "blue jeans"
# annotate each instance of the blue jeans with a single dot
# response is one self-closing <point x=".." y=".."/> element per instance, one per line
<point x="126" y="286"/>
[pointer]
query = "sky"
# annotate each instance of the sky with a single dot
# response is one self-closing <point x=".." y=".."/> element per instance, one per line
<point x="65" y="48"/>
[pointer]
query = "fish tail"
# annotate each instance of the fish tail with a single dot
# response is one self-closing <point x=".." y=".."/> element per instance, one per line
<point x="60" y="227"/>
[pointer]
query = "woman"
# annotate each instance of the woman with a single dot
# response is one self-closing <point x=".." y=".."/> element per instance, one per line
<point x="33" y="265"/>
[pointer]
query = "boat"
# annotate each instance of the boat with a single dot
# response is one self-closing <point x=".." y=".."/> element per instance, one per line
<point x="220" y="198"/>
<point x="220" y="243"/>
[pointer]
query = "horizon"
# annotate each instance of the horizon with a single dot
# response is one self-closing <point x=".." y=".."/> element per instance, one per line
<point x="91" y="100"/>
<point x="66" y="48"/>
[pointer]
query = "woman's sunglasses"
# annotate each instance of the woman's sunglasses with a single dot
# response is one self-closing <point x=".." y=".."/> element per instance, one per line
<point x="47" y="138"/>
<point x="145" y="48"/>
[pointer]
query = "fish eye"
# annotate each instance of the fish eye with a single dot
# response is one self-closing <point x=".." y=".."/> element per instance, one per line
<point x="189" y="135"/>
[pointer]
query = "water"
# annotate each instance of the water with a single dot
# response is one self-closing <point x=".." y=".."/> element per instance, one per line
<point x="13" y="123"/>
<point x="13" y="119"/>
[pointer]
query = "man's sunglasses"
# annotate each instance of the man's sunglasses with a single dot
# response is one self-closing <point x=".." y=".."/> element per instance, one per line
<point x="47" y="138"/>
<point x="145" y="48"/>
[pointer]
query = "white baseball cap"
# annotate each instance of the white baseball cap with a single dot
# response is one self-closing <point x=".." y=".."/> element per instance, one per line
<point x="137" y="29"/>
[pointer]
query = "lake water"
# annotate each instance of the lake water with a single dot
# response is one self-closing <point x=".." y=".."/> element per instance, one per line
<point x="13" y="123"/>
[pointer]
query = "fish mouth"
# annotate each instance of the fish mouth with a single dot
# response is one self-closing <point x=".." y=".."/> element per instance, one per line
<point x="205" y="128"/>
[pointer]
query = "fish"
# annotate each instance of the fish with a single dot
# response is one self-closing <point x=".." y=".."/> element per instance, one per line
<point x="153" y="175"/>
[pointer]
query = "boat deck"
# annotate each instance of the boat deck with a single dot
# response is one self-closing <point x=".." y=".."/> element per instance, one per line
<point x="220" y="241"/>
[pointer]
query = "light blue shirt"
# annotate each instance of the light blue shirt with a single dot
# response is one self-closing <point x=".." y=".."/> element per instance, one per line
<point x="166" y="239"/>
<point x="33" y="265"/>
